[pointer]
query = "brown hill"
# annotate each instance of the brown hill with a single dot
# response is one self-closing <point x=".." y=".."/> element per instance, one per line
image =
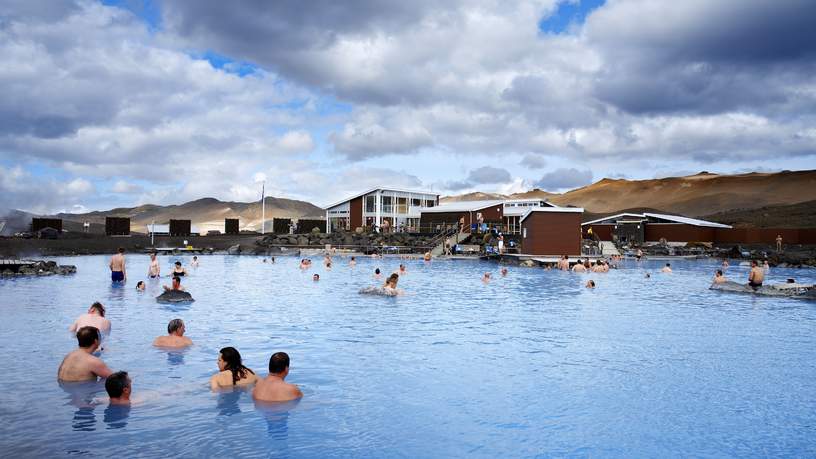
<point x="695" y="195"/>
<point x="206" y="213"/>
<point x="801" y="215"/>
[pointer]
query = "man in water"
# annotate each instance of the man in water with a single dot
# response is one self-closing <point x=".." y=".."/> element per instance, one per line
<point x="639" y="254"/>
<point x="118" y="386"/>
<point x="175" y="336"/>
<point x="316" y="277"/>
<point x="353" y="262"/>
<point x="176" y="285"/>
<point x="273" y="388"/>
<point x="756" y="276"/>
<point x="377" y="274"/>
<point x="486" y="278"/>
<point x="563" y="263"/>
<point x="719" y="278"/>
<point x="579" y="267"/>
<point x="194" y="263"/>
<point x="95" y="317"/>
<point x="81" y="364"/>
<point x="590" y="284"/>
<point x="667" y="268"/>
<point x="140" y="286"/>
<point x="117" y="266"/>
<point x="504" y="272"/>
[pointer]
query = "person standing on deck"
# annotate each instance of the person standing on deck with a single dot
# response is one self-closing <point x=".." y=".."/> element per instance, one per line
<point x="117" y="266"/>
<point x="778" y="243"/>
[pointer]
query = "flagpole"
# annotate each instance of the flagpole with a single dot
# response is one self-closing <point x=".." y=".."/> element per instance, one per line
<point x="263" y="208"/>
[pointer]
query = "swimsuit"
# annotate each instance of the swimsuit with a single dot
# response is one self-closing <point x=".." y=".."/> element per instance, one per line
<point x="117" y="276"/>
<point x="754" y="285"/>
<point x="178" y="273"/>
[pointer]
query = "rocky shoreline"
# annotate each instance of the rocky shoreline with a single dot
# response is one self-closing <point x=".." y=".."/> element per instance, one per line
<point x="37" y="268"/>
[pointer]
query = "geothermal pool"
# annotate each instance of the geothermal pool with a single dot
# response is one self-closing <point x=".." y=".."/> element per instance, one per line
<point x="528" y="365"/>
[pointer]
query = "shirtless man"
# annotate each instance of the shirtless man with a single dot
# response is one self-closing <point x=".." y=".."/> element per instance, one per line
<point x="176" y="285"/>
<point x="154" y="270"/>
<point x="273" y="388"/>
<point x="117" y="266"/>
<point x="719" y="278"/>
<point x="194" y="263"/>
<point x="756" y="276"/>
<point x="95" y="317"/>
<point x="563" y="263"/>
<point x="118" y="386"/>
<point x="175" y="336"/>
<point x="81" y="364"/>
<point x="666" y="269"/>
<point x="579" y="267"/>
<point x="486" y="278"/>
<point x="353" y="262"/>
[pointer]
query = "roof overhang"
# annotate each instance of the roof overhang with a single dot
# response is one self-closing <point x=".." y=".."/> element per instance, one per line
<point x="553" y="210"/>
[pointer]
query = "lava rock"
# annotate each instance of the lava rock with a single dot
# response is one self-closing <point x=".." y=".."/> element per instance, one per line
<point x="175" y="296"/>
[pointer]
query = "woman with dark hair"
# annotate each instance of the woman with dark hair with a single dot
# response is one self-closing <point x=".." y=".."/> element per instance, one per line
<point x="231" y="371"/>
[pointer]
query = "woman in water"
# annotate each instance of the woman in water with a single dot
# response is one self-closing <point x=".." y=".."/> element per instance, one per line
<point x="178" y="271"/>
<point x="231" y="371"/>
<point x="154" y="270"/>
<point x="391" y="282"/>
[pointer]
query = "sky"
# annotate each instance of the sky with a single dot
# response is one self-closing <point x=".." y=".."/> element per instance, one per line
<point x="129" y="102"/>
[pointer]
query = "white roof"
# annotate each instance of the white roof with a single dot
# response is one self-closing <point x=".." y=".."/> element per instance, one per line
<point x="672" y="218"/>
<point x="461" y="206"/>
<point x="544" y="200"/>
<point x="576" y="210"/>
<point x="398" y="190"/>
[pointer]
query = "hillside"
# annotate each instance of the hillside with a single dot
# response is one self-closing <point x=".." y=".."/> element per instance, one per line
<point x="206" y="214"/>
<point x="801" y="215"/>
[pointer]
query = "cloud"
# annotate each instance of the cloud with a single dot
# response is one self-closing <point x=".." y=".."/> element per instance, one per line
<point x="564" y="178"/>
<point x="20" y="190"/>
<point x="488" y="175"/>
<point x="533" y="162"/>
<point x="123" y="186"/>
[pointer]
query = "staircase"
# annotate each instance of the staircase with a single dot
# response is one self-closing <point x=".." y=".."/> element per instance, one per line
<point x="608" y="248"/>
<point x="451" y="237"/>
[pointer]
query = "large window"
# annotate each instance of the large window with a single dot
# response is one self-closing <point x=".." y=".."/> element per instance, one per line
<point x="402" y="205"/>
<point x="387" y="204"/>
<point x="371" y="204"/>
<point x="429" y="203"/>
<point x="415" y="202"/>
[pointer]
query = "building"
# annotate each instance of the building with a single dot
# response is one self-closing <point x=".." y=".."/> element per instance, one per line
<point x="634" y="228"/>
<point x="450" y="214"/>
<point x="514" y="209"/>
<point x="551" y="231"/>
<point x="164" y="230"/>
<point x="385" y="208"/>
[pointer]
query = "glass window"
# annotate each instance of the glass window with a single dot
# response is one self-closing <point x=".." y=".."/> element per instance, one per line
<point x="429" y="203"/>
<point x="371" y="204"/>
<point x="416" y="202"/>
<point x="386" y="204"/>
<point x="402" y="205"/>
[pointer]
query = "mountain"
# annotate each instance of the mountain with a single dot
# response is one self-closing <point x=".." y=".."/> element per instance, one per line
<point x="206" y="214"/>
<point x="801" y="215"/>
<point x="480" y="196"/>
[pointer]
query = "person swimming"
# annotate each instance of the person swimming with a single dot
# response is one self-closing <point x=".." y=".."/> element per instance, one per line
<point x="719" y="278"/>
<point x="427" y="255"/>
<point x="80" y="364"/>
<point x="316" y="277"/>
<point x="194" y="263"/>
<point x="504" y="272"/>
<point x="304" y="264"/>
<point x="175" y="335"/>
<point x="178" y="270"/>
<point x="402" y="269"/>
<point x="590" y="284"/>
<point x="140" y="286"/>
<point x="95" y="317"/>
<point x="666" y="269"/>
<point x="579" y="267"/>
<point x="231" y="370"/>
<point x="377" y="274"/>
<point x="119" y="386"/>
<point x="274" y="388"/>
<point x="391" y="282"/>
<point x="353" y="262"/>
<point x="486" y="278"/>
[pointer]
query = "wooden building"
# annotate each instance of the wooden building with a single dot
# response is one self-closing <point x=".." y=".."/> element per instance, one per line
<point x="41" y="223"/>
<point x="180" y="227"/>
<point x="633" y="228"/>
<point x="117" y="226"/>
<point x="231" y="226"/>
<point x="552" y="231"/>
<point x="450" y="214"/>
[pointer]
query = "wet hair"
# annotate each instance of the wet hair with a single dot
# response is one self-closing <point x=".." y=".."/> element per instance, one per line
<point x="316" y="276"/>
<point x="232" y="359"/>
<point x="116" y="384"/>
<point x="591" y="283"/>
<point x="278" y="362"/>
<point x="174" y="325"/>
<point x="140" y="283"/>
<point x="352" y="258"/>
<point x="86" y="336"/>
<point x="668" y="265"/>
<point x="754" y="262"/>
<point x="719" y="272"/>
<point x="178" y="263"/>
<point x="392" y="278"/>
<point x="195" y="257"/>
<point x="99" y="308"/>
<point x="377" y="271"/>
<point x="121" y="250"/>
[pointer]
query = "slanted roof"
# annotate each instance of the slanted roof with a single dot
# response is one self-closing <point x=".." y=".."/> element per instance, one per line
<point x="671" y="218"/>
<point x="461" y="206"/>
<point x="553" y="210"/>
<point x="547" y="203"/>
<point x="687" y="220"/>
<point x="398" y="190"/>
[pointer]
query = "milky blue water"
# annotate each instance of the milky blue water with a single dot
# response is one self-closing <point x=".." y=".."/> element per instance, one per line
<point x="532" y="364"/>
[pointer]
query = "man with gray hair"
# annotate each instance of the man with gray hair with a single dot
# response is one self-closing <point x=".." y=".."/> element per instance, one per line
<point x="175" y="336"/>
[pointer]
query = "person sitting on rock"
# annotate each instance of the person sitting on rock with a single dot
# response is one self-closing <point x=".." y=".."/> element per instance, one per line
<point x="118" y="386"/>
<point x="176" y="285"/>
<point x="273" y="388"/>
<point x="175" y="336"/>
<point x="80" y="364"/>
<point x="95" y="317"/>
<point x="756" y="276"/>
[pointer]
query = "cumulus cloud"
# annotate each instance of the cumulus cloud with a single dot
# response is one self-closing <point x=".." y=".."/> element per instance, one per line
<point x="565" y="178"/>
<point x="533" y="162"/>
<point x="20" y="190"/>
<point x="485" y="175"/>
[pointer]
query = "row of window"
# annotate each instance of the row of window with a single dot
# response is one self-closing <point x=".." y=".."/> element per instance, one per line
<point x="389" y="203"/>
<point x="524" y="204"/>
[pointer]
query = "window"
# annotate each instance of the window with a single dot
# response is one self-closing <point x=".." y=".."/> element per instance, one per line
<point x="402" y="205"/>
<point x="386" y="204"/>
<point x="371" y="204"/>
<point x="429" y="203"/>
<point x="416" y="202"/>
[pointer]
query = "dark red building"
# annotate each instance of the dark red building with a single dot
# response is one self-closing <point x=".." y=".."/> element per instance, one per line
<point x="651" y="227"/>
<point x="551" y="231"/>
<point x="474" y="212"/>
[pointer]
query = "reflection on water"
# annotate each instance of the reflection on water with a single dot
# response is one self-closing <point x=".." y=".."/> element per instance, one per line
<point x="175" y="357"/>
<point x="227" y="404"/>
<point x="81" y="395"/>
<point x="277" y="417"/>
<point x="116" y="415"/>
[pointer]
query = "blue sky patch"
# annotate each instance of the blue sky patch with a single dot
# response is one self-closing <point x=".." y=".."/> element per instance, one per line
<point x="569" y="12"/>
